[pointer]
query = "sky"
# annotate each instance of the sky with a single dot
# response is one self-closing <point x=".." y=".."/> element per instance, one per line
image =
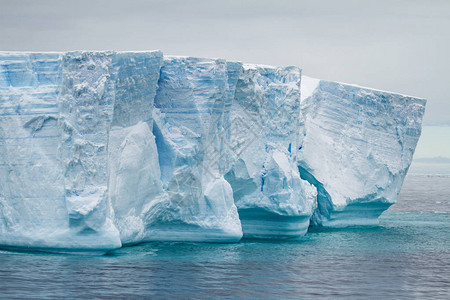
<point x="395" y="45"/>
<point x="434" y="142"/>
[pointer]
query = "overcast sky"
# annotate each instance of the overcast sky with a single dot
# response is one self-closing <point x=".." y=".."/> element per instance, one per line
<point x="400" y="46"/>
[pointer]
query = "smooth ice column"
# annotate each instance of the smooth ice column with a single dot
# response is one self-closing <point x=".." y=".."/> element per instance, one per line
<point x="358" y="145"/>
<point x="273" y="201"/>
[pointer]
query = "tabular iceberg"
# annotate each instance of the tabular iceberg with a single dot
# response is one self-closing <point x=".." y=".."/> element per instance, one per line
<point x="101" y="149"/>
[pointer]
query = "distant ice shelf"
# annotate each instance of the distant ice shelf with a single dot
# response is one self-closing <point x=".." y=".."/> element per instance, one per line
<point x="100" y="149"/>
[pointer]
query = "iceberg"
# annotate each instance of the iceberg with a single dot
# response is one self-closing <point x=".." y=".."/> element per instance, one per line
<point x="357" y="147"/>
<point x="100" y="149"/>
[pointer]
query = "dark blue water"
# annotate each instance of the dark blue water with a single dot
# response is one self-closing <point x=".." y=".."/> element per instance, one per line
<point x="408" y="256"/>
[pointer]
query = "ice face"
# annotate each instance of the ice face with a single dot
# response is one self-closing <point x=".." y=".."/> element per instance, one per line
<point x="32" y="203"/>
<point x="57" y="113"/>
<point x="272" y="199"/>
<point x="101" y="149"/>
<point x="134" y="184"/>
<point x="357" y="147"/>
<point x="190" y="121"/>
<point x="86" y="110"/>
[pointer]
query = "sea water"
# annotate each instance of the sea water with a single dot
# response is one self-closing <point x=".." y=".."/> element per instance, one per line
<point x="407" y="256"/>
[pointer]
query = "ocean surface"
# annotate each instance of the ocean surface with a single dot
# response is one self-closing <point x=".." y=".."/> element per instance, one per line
<point x="406" y="257"/>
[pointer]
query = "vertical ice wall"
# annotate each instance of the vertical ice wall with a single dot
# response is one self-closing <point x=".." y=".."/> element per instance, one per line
<point x="103" y="148"/>
<point x="135" y="188"/>
<point x="85" y="114"/>
<point x="273" y="201"/>
<point x="32" y="203"/>
<point x="69" y="121"/>
<point x="190" y="121"/>
<point x="357" y="148"/>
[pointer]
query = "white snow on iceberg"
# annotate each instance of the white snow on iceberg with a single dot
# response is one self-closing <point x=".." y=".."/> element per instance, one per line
<point x="357" y="147"/>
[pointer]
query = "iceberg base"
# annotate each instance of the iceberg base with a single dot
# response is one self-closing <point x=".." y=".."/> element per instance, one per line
<point x="192" y="233"/>
<point x="258" y="223"/>
<point x="355" y="214"/>
<point x="71" y="243"/>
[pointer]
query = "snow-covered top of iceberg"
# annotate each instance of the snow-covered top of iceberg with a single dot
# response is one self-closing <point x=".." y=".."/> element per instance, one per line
<point x="309" y="84"/>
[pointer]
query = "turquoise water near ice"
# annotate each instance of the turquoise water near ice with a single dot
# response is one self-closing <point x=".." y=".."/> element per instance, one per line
<point x="407" y="256"/>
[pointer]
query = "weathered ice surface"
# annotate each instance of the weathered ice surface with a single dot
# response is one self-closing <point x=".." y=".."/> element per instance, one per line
<point x="32" y="204"/>
<point x="273" y="201"/>
<point x="102" y="149"/>
<point x="56" y="115"/>
<point x="190" y="118"/>
<point x="134" y="185"/>
<point x="357" y="147"/>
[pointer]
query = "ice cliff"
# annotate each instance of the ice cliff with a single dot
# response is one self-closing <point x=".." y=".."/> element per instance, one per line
<point x="272" y="199"/>
<point x="190" y="116"/>
<point x="60" y="115"/>
<point x="357" y="147"/>
<point x="101" y="149"/>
